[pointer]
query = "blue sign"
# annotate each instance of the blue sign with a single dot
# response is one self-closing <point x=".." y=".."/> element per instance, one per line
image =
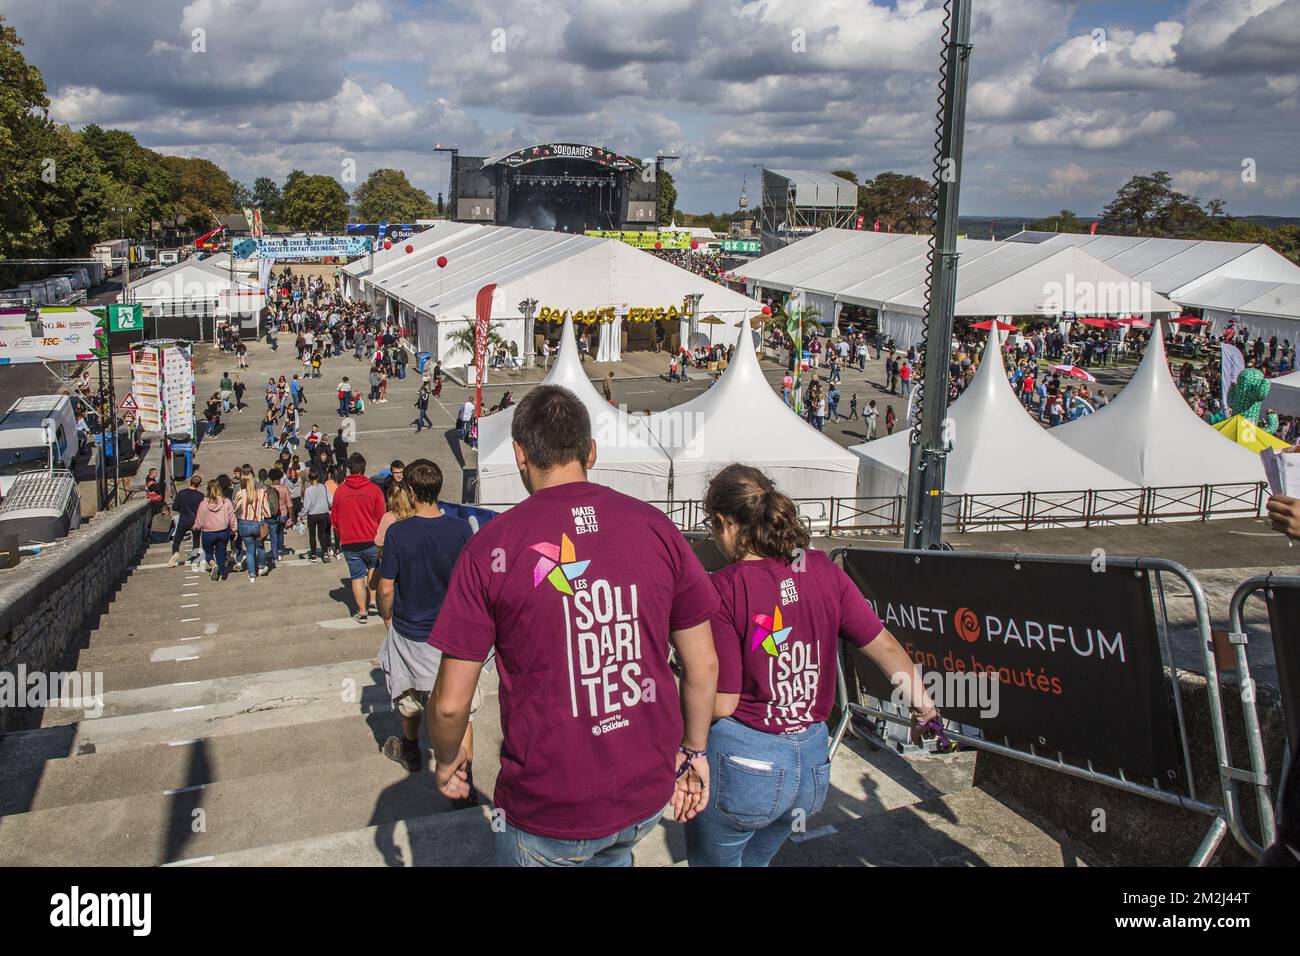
<point x="303" y="247"/>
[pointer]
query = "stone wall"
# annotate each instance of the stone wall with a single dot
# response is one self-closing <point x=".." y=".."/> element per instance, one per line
<point x="48" y="600"/>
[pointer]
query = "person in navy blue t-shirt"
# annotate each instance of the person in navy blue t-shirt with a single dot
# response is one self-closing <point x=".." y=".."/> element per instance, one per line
<point x="419" y="553"/>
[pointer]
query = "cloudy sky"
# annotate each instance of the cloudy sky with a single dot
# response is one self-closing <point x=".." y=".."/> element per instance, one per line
<point x="1068" y="98"/>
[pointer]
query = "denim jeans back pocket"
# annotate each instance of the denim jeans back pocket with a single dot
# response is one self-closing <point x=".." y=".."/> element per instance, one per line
<point x="821" y="787"/>
<point x="747" y="795"/>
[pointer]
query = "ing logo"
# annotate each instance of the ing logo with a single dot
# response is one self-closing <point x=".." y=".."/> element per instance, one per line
<point x="967" y="624"/>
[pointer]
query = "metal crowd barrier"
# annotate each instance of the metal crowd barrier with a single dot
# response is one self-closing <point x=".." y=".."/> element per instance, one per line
<point x="1225" y="813"/>
<point x="1257" y="776"/>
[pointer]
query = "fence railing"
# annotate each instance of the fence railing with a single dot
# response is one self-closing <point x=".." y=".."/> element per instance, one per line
<point x="1010" y="512"/>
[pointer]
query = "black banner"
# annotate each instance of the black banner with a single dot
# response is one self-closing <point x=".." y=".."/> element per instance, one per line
<point x="1074" y="651"/>
<point x="1284" y="620"/>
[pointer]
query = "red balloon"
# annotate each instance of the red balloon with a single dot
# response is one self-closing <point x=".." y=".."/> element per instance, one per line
<point x="694" y="244"/>
<point x="658" y="245"/>
<point x="410" y="249"/>
<point x="388" y="243"/>
<point x="767" y="310"/>
<point x="442" y="262"/>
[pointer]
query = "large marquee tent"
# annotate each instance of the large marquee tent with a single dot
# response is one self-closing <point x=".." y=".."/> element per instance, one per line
<point x="562" y="272"/>
<point x="1152" y="438"/>
<point x="628" y="458"/>
<point x="999" y="452"/>
<point x="740" y="418"/>
<point x="887" y="272"/>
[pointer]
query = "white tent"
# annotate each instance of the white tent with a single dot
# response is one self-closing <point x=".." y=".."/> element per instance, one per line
<point x="1150" y="436"/>
<point x="1265" y="308"/>
<point x="887" y="272"/>
<point x="1284" y="394"/>
<point x="740" y="418"/>
<point x="628" y="459"/>
<point x="562" y="272"/>
<point x="998" y="454"/>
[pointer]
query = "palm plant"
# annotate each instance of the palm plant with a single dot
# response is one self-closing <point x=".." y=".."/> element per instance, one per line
<point x="464" y="338"/>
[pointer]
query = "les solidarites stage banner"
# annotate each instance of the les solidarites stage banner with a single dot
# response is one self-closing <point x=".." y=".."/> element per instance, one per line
<point x="1074" y="650"/>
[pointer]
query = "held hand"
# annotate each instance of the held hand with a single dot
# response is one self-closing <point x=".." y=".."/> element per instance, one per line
<point x="919" y="731"/>
<point x="1284" y="515"/>
<point x="453" y="778"/>
<point x="691" y="795"/>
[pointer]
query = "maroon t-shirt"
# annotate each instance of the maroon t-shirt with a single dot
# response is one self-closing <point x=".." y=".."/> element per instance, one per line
<point x="578" y="587"/>
<point x="777" y="631"/>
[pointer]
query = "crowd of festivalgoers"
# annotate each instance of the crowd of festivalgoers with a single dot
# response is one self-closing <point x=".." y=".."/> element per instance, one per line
<point x="702" y="262"/>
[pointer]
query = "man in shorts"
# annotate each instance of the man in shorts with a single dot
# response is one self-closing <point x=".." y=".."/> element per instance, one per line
<point x="357" y="510"/>
<point x="419" y="553"/>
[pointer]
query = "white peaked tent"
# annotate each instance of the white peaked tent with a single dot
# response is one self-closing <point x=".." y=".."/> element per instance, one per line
<point x="1149" y="435"/>
<point x="999" y="452"/>
<point x="1284" y="394"/>
<point x="741" y="419"/>
<point x="628" y="459"/>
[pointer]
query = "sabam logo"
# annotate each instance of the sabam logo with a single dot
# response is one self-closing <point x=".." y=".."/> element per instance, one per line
<point x="103" y="909"/>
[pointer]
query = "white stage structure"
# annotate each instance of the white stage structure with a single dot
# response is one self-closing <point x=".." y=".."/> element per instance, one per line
<point x="628" y="458"/>
<point x="1150" y="436"/>
<point x="999" y="455"/>
<point x="741" y="419"/>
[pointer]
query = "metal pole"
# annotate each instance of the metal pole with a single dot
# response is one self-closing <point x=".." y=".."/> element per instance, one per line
<point x="929" y="443"/>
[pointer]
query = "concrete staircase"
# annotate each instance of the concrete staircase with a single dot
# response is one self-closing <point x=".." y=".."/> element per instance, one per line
<point x="242" y="722"/>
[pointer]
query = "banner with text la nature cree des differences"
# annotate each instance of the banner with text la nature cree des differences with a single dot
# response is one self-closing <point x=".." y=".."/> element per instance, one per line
<point x="1074" y="650"/>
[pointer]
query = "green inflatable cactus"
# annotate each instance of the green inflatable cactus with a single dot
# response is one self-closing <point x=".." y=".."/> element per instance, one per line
<point x="1246" y="398"/>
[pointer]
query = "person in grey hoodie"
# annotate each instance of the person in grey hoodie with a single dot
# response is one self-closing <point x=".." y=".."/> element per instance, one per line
<point x="316" y="505"/>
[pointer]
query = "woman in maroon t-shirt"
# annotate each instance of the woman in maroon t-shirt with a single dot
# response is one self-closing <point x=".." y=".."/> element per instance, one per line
<point x="783" y="611"/>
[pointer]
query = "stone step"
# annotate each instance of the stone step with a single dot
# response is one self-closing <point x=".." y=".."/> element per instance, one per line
<point x="192" y="661"/>
<point x="280" y="805"/>
<point x="969" y="828"/>
<point x="41" y="779"/>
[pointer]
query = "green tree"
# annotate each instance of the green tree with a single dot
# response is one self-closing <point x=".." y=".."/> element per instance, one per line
<point x="1150" y="206"/>
<point x="24" y="121"/>
<point x="902" y="203"/>
<point x="848" y="174"/>
<point x="203" y="189"/>
<point x="388" y="196"/>
<point x="314" y="204"/>
<point x="267" y="195"/>
<point x="1063" y="221"/>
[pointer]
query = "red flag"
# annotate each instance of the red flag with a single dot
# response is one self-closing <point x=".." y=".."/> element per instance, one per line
<point x="482" y="326"/>
<point x="1093" y="231"/>
<point x="877" y="226"/>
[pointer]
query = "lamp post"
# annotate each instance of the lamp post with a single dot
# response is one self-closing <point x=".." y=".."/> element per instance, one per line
<point x="529" y="308"/>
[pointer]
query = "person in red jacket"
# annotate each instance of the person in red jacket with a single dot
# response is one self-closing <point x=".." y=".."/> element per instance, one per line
<point x="357" y="510"/>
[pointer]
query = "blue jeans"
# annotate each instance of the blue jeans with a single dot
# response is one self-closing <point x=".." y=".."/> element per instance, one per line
<point x="754" y="809"/>
<point x="214" y="548"/>
<point x="250" y="535"/>
<point x="515" y="847"/>
<point x="343" y="406"/>
<point x="275" y="540"/>
<point x="270" y="434"/>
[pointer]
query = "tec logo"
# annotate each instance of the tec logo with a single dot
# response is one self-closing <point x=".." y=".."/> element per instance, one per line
<point x="967" y="625"/>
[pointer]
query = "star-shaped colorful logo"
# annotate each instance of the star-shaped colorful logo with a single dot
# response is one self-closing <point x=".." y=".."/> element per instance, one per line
<point x="558" y="564"/>
<point x="769" y="634"/>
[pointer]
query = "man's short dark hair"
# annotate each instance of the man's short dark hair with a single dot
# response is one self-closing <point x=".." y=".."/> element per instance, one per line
<point x="424" y="480"/>
<point x="356" y="463"/>
<point x="275" y="474"/>
<point x="395" y="464"/>
<point x="552" y="427"/>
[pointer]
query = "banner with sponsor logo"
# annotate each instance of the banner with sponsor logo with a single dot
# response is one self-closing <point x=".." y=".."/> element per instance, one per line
<point x="303" y="247"/>
<point x="645" y="240"/>
<point x="1074" y="650"/>
<point x="55" y="334"/>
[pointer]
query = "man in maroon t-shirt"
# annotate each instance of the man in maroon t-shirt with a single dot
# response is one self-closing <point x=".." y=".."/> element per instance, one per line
<point x="580" y="590"/>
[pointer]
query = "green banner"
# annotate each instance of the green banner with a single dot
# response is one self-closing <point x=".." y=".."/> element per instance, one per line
<point x="741" y="245"/>
<point x="126" y="318"/>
